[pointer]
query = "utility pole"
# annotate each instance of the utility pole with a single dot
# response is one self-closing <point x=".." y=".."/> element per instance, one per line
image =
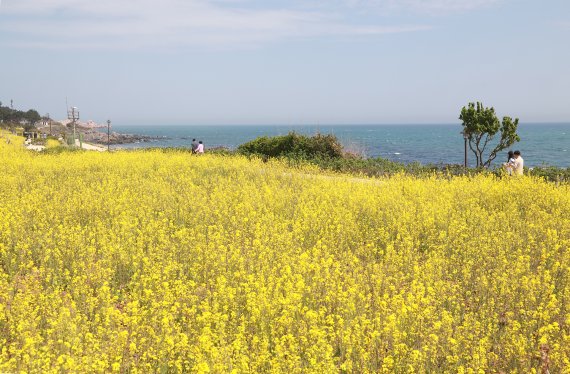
<point x="11" y="118"/>
<point x="108" y="135"/>
<point x="465" y="138"/>
<point x="49" y="122"/>
<point x="73" y="115"/>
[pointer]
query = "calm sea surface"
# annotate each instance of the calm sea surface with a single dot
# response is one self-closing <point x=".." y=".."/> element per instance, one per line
<point x="540" y="143"/>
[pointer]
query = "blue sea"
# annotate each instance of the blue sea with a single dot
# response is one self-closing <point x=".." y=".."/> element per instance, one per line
<point x="541" y="144"/>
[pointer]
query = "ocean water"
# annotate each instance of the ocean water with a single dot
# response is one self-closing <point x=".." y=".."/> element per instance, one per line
<point x="541" y="144"/>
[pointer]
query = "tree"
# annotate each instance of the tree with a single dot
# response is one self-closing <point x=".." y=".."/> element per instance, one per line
<point x="481" y="126"/>
<point x="32" y="116"/>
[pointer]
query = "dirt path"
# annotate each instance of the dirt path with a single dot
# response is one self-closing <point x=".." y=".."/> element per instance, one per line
<point x="32" y="147"/>
<point x="90" y="147"/>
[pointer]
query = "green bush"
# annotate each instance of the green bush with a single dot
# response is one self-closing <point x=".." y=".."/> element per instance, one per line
<point x="294" y="145"/>
<point x="378" y="167"/>
<point x="551" y="173"/>
<point x="326" y="152"/>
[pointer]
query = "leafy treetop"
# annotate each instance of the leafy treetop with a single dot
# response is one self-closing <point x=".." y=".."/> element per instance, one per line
<point x="481" y="126"/>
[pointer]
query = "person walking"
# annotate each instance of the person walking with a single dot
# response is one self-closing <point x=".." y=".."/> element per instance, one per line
<point x="194" y="145"/>
<point x="200" y="149"/>
<point x="518" y="165"/>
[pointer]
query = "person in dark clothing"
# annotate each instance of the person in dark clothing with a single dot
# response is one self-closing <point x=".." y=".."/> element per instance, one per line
<point x="194" y="145"/>
<point x="509" y="165"/>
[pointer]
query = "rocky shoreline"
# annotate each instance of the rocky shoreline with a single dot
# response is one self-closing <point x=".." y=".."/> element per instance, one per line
<point x="115" y="138"/>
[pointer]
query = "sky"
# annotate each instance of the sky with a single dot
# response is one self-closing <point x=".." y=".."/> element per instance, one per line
<point x="286" y="62"/>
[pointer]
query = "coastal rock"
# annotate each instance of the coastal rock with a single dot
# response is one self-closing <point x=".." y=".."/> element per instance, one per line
<point x="98" y="137"/>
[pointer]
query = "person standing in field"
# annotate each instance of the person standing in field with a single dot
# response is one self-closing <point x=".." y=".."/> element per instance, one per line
<point x="200" y="149"/>
<point x="194" y="145"/>
<point x="518" y="165"/>
<point x="510" y="164"/>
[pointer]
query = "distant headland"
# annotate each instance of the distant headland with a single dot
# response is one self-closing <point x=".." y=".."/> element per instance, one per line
<point x="31" y="124"/>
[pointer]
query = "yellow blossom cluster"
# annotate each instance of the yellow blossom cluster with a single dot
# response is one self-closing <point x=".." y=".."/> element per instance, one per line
<point x="151" y="261"/>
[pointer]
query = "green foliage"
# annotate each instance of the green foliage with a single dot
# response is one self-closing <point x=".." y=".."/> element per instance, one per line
<point x="32" y="116"/>
<point x="372" y="167"/>
<point x="552" y="173"/>
<point x="481" y="126"/>
<point x="326" y="152"/>
<point x="294" y="145"/>
<point x="10" y="117"/>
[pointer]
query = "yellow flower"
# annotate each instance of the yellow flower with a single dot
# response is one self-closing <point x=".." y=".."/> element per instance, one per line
<point x="151" y="261"/>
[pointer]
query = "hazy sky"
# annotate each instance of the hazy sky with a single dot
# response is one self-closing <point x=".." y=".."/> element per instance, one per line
<point x="286" y="62"/>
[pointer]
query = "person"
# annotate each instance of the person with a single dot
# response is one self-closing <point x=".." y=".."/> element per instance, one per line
<point x="194" y="145"/>
<point x="509" y="165"/>
<point x="518" y="165"/>
<point x="200" y="148"/>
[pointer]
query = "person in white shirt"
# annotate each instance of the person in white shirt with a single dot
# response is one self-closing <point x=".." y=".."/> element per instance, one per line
<point x="200" y="148"/>
<point x="518" y="165"/>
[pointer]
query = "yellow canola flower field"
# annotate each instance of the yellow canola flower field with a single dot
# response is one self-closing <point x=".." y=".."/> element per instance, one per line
<point x="165" y="262"/>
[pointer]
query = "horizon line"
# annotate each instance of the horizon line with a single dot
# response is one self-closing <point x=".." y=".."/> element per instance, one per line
<point x="129" y="124"/>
